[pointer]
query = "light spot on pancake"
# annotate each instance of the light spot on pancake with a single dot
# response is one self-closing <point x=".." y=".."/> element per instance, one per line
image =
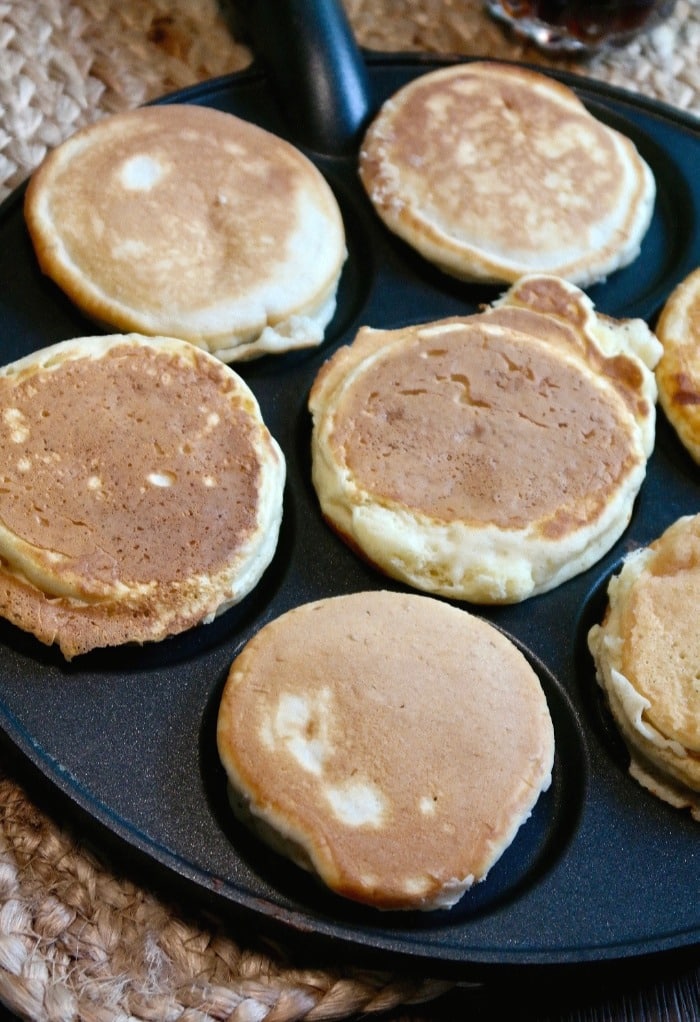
<point x="209" y="482"/>
<point x="437" y="105"/>
<point x="162" y="479"/>
<point x="19" y="430"/>
<point x="211" y="422"/>
<point x="369" y="881"/>
<point x="141" y="173"/>
<point x="466" y="153"/>
<point x="300" y="723"/>
<point x="94" y="483"/>
<point x="428" y="804"/>
<point x="130" y="248"/>
<point x="24" y="464"/>
<point x="236" y="150"/>
<point x="567" y="140"/>
<point x="356" y="803"/>
<point x="439" y="330"/>
<point x="416" y="885"/>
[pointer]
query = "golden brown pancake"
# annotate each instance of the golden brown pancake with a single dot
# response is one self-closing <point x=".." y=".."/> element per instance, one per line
<point x="678" y="371"/>
<point x="493" y="171"/>
<point x="390" y="743"/>
<point x="487" y="457"/>
<point x="192" y="223"/>
<point x="647" y="656"/>
<point x="141" y="491"/>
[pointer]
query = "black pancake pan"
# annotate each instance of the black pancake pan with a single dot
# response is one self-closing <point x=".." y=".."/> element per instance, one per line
<point x="124" y="740"/>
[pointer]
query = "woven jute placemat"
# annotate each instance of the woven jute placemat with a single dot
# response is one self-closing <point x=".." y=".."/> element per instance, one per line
<point x="66" y="63"/>
<point x="79" y="940"/>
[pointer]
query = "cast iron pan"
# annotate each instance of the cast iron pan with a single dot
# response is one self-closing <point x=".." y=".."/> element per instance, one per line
<point x="124" y="740"/>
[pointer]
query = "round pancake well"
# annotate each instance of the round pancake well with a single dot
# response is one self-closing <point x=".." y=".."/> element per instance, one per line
<point x="193" y="223"/>
<point x="389" y="742"/>
<point x="487" y="457"/>
<point x="492" y="171"/>
<point x="647" y="657"/>
<point x="141" y="491"/>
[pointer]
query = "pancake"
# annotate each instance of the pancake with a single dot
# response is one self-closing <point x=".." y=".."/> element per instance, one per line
<point x="189" y="222"/>
<point x="388" y="742"/>
<point x="141" y="491"/>
<point x="490" y="457"/>
<point x="647" y="657"/>
<point x="678" y="371"/>
<point x="493" y="171"/>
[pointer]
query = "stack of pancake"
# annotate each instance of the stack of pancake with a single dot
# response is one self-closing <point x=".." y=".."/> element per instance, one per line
<point x="488" y="457"/>
<point x="141" y="491"/>
<point x="647" y="656"/>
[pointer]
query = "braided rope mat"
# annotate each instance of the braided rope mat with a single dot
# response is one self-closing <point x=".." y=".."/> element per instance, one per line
<point x="78" y="941"/>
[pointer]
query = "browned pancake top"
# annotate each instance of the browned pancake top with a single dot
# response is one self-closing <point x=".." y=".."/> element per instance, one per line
<point x="101" y="482"/>
<point x="493" y="171"/>
<point x="480" y="424"/>
<point x="461" y="126"/>
<point x="399" y="740"/>
<point x="545" y="307"/>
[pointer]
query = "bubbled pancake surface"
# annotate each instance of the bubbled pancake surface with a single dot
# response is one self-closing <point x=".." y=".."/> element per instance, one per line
<point x="487" y="457"/>
<point x="394" y="741"/>
<point x="190" y="222"/>
<point x="141" y="494"/>
<point x="647" y="656"/>
<point x="492" y="171"/>
<point x="678" y="371"/>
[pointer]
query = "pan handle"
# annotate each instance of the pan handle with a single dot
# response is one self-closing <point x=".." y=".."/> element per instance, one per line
<point x="316" y="68"/>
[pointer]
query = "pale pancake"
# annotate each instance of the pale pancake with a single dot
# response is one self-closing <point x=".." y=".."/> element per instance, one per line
<point x="647" y="656"/>
<point x="493" y="171"/>
<point x="192" y="223"/>
<point x="488" y="457"/>
<point x="678" y="371"/>
<point x="391" y="743"/>
<point x="141" y="491"/>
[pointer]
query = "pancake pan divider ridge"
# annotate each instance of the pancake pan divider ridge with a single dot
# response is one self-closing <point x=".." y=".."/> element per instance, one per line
<point x="567" y="891"/>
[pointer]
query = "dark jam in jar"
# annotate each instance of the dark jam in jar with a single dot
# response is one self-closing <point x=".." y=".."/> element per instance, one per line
<point x="577" y="25"/>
